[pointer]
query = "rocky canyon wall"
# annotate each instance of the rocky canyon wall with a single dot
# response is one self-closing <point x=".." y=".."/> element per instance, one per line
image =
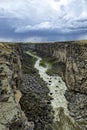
<point x="11" y="115"/>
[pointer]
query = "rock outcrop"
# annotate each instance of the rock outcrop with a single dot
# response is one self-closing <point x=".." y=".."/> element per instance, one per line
<point x="11" y="115"/>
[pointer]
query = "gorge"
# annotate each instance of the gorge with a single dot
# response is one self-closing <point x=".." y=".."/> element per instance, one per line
<point x="47" y="82"/>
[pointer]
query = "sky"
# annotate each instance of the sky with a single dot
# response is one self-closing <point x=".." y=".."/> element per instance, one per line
<point x="43" y="20"/>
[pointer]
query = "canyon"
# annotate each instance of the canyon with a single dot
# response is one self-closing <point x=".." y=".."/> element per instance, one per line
<point x="26" y="99"/>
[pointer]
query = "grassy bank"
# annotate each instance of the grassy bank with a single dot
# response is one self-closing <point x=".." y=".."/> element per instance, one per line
<point x="52" y="63"/>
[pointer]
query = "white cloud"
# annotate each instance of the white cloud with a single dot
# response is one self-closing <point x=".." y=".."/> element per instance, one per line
<point x="44" y="14"/>
<point x="44" y="25"/>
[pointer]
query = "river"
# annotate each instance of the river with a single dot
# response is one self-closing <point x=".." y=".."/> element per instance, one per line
<point x="56" y="86"/>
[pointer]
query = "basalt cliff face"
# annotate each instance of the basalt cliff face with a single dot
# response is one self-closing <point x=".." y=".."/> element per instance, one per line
<point x="11" y="115"/>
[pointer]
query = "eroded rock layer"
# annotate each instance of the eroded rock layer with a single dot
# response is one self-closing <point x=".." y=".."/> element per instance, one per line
<point x="11" y="115"/>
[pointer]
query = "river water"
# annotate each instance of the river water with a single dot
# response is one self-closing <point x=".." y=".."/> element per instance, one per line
<point x="56" y="86"/>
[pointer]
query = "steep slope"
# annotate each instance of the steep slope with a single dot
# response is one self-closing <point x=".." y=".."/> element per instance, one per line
<point x="11" y="115"/>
